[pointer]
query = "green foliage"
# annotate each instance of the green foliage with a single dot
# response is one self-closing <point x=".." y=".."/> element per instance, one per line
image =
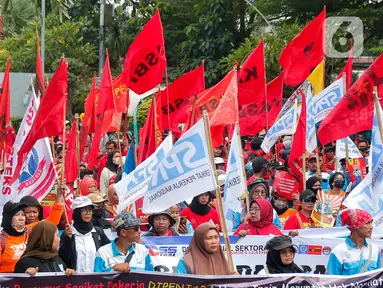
<point x="16" y="122"/>
<point x="141" y="113"/>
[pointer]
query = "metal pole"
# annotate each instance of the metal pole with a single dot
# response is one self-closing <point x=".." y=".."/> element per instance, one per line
<point x="43" y="34"/>
<point x="102" y="38"/>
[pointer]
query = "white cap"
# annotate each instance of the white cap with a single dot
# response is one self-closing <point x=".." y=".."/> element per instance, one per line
<point x="81" y="202"/>
<point x="221" y="179"/>
<point x="218" y="160"/>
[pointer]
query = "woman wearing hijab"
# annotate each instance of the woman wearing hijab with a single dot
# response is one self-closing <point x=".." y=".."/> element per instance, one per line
<point x="111" y="204"/>
<point x="204" y="255"/>
<point x="41" y="254"/>
<point x="111" y="169"/>
<point x="314" y="184"/>
<point x="88" y="186"/>
<point x="79" y="243"/>
<point x="259" y="221"/>
<point x="200" y="212"/>
<point x="280" y="257"/>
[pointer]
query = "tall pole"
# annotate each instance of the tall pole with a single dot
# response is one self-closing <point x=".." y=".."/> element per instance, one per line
<point x="102" y="38"/>
<point x="42" y="34"/>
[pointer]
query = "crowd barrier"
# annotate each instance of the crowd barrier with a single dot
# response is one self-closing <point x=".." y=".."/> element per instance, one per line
<point x="162" y="280"/>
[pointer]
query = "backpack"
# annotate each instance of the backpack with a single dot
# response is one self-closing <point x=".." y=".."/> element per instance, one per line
<point x="3" y="238"/>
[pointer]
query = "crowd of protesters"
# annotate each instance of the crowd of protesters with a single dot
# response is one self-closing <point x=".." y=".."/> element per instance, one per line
<point x="31" y="244"/>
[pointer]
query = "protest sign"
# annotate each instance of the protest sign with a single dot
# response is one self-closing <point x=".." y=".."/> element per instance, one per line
<point x="286" y="184"/>
<point x="135" y="184"/>
<point x="357" y="169"/>
<point x="324" y="207"/>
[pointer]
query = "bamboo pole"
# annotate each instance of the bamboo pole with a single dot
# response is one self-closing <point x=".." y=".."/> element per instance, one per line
<point x="378" y="112"/>
<point x="218" y="192"/>
<point x="304" y="170"/>
<point x="319" y="172"/>
<point x="76" y="116"/>
<point x="193" y="110"/>
<point x="155" y="116"/>
<point x="167" y="94"/>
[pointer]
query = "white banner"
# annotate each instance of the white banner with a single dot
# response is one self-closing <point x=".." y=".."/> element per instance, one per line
<point x="249" y="253"/>
<point x="284" y="126"/>
<point x="135" y="185"/>
<point x="297" y="95"/>
<point x="185" y="172"/>
<point x="327" y="99"/>
<point x="38" y="173"/>
<point x="234" y="184"/>
<point x="311" y="135"/>
<point x="353" y="151"/>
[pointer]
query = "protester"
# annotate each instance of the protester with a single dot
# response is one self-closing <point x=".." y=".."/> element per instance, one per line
<point x="200" y="212"/>
<point x="15" y="232"/>
<point x="314" y="184"/>
<point x="161" y="225"/>
<point x="363" y="147"/>
<point x="111" y="169"/>
<point x="329" y="159"/>
<point x="33" y="210"/>
<point x="259" y="221"/>
<point x="280" y="257"/>
<point x="204" y="256"/>
<point x="302" y="220"/>
<point x="184" y="226"/>
<point x="355" y="255"/>
<point x="80" y="242"/>
<point x="41" y="253"/>
<point x="99" y="212"/>
<point x="109" y="147"/>
<point x="88" y="186"/>
<point x="124" y="253"/>
<point x="219" y="163"/>
<point x="260" y="167"/>
<point x="313" y="167"/>
<point x="86" y="174"/>
<point x="336" y="184"/>
<point x="280" y="205"/>
<point x="111" y="205"/>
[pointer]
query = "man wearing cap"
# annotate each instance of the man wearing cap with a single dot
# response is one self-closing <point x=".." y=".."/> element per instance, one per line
<point x="124" y="253"/>
<point x="355" y="255"/>
<point x="329" y="159"/>
<point x="312" y="171"/>
<point x="98" y="217"/>
<point x="219" y="163"/>
<point x="302" y="220"/>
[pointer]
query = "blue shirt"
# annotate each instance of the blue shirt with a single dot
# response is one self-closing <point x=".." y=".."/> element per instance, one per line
<point x="181" y="267"/>
<point x="347" y="259"/>
<point x="108" y="256"/>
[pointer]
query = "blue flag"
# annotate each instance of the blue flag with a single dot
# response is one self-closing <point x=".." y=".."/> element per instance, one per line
<point x="130" y="160"/>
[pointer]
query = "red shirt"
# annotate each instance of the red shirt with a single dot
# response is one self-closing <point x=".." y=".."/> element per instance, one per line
<point x="293" y="223"/>
<point x="196" y="219"/>
<point x="252" y="230"/>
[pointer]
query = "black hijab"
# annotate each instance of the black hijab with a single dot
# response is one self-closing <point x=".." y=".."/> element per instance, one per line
<point x="7" y="222"/>
<point x="99" y="220"/>
<point x="109" y="164"/>
<point x="80" y="225"/>
<point x="310" y="183"/>
<point x="198" y="208"/>
<point x="275" y="265"/>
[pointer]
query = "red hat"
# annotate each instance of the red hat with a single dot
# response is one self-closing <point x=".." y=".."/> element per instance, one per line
<point x="311" y="156"/>
<point x="355" y="218"/>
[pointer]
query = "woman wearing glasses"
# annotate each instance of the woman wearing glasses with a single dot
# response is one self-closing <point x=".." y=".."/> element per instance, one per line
<point x="259" y="221"/>
<point x="79" y="243"/>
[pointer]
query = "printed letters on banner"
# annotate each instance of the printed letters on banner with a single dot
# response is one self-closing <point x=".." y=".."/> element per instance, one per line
<point x="185" y="172"/>
<point x="353" y="151"/>
<point x="135" y="184"/>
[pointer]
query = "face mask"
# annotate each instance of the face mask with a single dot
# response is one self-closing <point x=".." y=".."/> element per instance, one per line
<point x="280" y="204"/>
<point x="339" y="183"/>
<point x="315" y="190"/>
<point x="116" y="161"/>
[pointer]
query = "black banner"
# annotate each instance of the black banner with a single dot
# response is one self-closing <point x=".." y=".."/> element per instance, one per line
<point x="161" y="280"/>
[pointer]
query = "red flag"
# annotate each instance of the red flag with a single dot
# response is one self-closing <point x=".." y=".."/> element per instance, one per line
<point x="111" y="121"/>
<point x="5" y="103"/>
<point x="95" y="146"/>
<point x="71" y="164"/>
<point x="256" y="116"/>
<point x="304" y="52"/>
<point x="298" y="147"/>
<point x="145" y="60"/>
<point x="88" y="125"/>
<point x="49" y="119"/>
<point x="105" y="99"/>
<point x="147" y="144"/>
<point x="347" y="70"/>
<point x="227" y="110"/>
<point x="355" y="110"/>
<point x="251" y="77"/>
<point x="181" y="94"/>
<point x="40" y="85"/>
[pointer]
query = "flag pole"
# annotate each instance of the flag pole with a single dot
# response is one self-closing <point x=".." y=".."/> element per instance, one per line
<point x="116" y="114"/>
<point x="218" y="194"/>
<point x="319" y="172"/>
<point x="378" y="112"/>
<point x="76" y="116"/>
<point x="304" y="170"/>
<point x="64" y="143"/>
<point x="244" y="179"/>
<point x="155" y="115"/>
<point x="193" y="110"/>
<point x="167" y="93"/>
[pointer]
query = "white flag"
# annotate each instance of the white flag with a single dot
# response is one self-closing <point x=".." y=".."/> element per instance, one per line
<point x="297" y="95"/>
<point x="284" y="126"/>
<point x="38" y="173"/>
<point x="184" y="173"/>
<point x="135" y="185"/>
<point x="234" y="184"/>
<point x="327" y="99"/>
<point x="353" y="151"/>
<point x="311" y="136"/>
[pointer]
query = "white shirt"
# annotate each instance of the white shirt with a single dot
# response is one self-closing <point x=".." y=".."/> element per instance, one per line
<point x="86" y="250"/>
